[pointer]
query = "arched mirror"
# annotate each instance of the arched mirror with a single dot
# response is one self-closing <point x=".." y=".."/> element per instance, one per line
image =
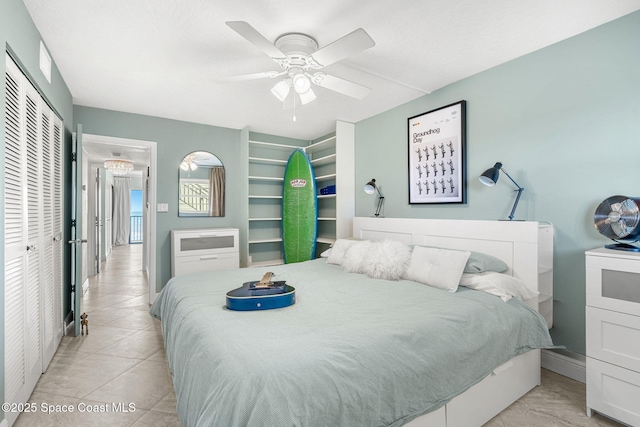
<point x="201" y="185"/>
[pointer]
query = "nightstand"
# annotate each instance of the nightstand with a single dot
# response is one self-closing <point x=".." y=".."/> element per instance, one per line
<point x="204" y="250"/>
<point x="613" y="334"/>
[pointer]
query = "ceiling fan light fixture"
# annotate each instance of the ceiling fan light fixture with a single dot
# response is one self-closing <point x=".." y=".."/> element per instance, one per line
<point x="307" y="97"/>
<point x="281" y="90"/>
<point x="301" y="83"/>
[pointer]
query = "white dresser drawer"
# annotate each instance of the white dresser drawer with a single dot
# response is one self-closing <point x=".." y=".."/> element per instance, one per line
<point x="613" y="391"/>
<point x="198" y="263"/>
<point x="613" y="280"/>
<point x="614" y="337"/>
<point x="204" y="241"/>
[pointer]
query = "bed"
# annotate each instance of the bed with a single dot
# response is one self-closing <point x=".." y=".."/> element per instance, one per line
<point x="354" y="350"/>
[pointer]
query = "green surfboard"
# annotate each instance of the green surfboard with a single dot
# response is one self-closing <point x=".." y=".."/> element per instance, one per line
<point x="299" y="209"/>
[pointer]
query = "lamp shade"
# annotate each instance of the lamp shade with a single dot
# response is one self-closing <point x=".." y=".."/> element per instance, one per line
<point x="281" y="90"/>
<point x="491" y="175"/>
<point x="307" y="97"/>
<point x="370" y="187"/>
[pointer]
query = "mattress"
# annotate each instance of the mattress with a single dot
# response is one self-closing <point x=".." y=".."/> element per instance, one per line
<point x="352" y="351"/>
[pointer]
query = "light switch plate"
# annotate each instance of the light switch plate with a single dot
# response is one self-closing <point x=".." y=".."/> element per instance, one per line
<point x="163" y="207"/>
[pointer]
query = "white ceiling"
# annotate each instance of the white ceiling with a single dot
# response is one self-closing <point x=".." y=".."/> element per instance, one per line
<point x="161" y="57"/>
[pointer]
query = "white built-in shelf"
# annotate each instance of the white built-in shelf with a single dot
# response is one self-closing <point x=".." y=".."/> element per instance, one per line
<point x="265" y="197"/>
<point x="327" y="240"/>
<point x="320" y="144"/>
<point x="326" y="177"/>
<point x="542" y="269"/>
<point x="324" y="160"/>
<point x="271" y="240"/>
<point x="326" y="196"/>
<point x="265" y="178"/>
<point x="265" y="219"/>
<point x="544" y="298"/>
<point x="273" y="146"/>
<point x="326" y="219"/>
<point x="267" y="161"/>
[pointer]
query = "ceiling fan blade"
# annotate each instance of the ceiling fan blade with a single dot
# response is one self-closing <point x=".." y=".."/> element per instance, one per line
<point x="352" y="43"/>
<point x="253" y="76"/>
<point x="339" y="85"/>
<point x="252" y="35"/>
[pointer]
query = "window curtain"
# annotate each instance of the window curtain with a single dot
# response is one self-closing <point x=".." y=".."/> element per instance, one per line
<point x="216" y="191"/>
<point x="121" y="218"/>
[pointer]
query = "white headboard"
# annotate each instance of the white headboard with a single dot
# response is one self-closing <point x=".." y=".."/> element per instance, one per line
<point x="517" y="243"/>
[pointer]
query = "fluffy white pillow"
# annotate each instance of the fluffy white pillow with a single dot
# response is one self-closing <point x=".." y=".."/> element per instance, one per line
<point x="387" y="259"/>
<point x="338" y="250"/>
<point x="440" y="268"/>
<point x="498" y="284"/>
<point x="356" y="255"/>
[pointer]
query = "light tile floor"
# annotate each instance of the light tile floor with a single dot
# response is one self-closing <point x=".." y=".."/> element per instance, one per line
<point x="122" y="361"/>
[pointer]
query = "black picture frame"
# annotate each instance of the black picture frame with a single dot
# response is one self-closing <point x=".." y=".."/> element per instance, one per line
<point x="437" y="155"/>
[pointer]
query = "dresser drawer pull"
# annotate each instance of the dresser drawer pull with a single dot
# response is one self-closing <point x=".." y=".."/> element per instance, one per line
<point x="202" y="258"/>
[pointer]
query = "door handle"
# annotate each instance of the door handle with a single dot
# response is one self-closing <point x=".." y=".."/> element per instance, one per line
<point x="77" y="241"/>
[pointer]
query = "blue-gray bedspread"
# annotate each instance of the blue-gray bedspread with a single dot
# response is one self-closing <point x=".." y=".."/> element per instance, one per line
<point x="352" y="351"/>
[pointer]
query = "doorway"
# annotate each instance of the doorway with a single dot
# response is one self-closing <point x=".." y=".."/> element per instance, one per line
<point x="101" y="216"/>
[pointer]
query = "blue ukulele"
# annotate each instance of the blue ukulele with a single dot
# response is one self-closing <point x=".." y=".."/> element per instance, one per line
<point x="261" y="295"/>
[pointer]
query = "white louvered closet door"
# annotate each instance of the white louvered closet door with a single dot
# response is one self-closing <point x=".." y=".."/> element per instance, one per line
<point x="15" y="227"/>
<point x="51" y="242"/>
<point x="33" y="236"/>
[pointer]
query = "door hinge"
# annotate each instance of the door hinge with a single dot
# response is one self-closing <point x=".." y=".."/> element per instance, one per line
<point x="73" y="288"/>
<point x="74" y="157"/>
<point x="73" y="223"/>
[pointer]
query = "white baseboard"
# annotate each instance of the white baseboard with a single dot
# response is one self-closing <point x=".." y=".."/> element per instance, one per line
<point x="564" y="362"/>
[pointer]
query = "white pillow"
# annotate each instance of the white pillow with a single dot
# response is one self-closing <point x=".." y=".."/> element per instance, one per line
<point x="387" y="259"/>
<point x="498" y="284"/>
<point x="356" y="255"/>
<point x="440" y="268"/>
<point x="338" y="250"/>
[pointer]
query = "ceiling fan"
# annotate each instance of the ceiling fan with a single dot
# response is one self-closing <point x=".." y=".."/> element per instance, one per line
<point x="300" y="60"/>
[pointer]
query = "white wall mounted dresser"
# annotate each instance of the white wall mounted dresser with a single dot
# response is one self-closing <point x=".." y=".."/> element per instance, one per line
<point x="208" y="249"/>
<point x="613" y="334"/>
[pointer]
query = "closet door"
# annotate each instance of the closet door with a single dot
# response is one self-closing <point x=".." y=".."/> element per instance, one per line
<point x="34" y="238"/>
<point x="58" y="246"/>
<point x="23" y="238"/>
<point x="51" y="316"/>
<point x="15" y="226"/>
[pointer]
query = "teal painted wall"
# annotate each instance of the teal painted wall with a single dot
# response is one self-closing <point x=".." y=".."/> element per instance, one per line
<point x="19" y="35"/>
<point x="565" y="122"/>
<point x="175" y="139"/>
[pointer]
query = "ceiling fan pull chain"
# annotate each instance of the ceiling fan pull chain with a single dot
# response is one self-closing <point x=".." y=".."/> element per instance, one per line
<point x="294" y="106"/>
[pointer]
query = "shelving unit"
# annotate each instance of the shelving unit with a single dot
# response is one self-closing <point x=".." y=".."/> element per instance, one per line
<point x="545" y="271"/>
<point x="332" y="160"/>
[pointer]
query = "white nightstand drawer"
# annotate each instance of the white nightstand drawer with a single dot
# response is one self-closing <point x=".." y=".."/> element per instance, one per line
<point x="198" y="263"/>
<point x="614" y="337"/>
<point x="613" y="280"/>
<point x="613" y="391"/>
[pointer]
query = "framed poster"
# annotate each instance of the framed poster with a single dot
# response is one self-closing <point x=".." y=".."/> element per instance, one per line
<point x="437" y="163"/>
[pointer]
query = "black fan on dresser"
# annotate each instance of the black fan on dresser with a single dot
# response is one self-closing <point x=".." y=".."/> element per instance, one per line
<point x="618" y="218"/>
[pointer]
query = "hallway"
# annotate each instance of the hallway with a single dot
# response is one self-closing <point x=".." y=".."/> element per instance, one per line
<point x="118" y="374"/>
